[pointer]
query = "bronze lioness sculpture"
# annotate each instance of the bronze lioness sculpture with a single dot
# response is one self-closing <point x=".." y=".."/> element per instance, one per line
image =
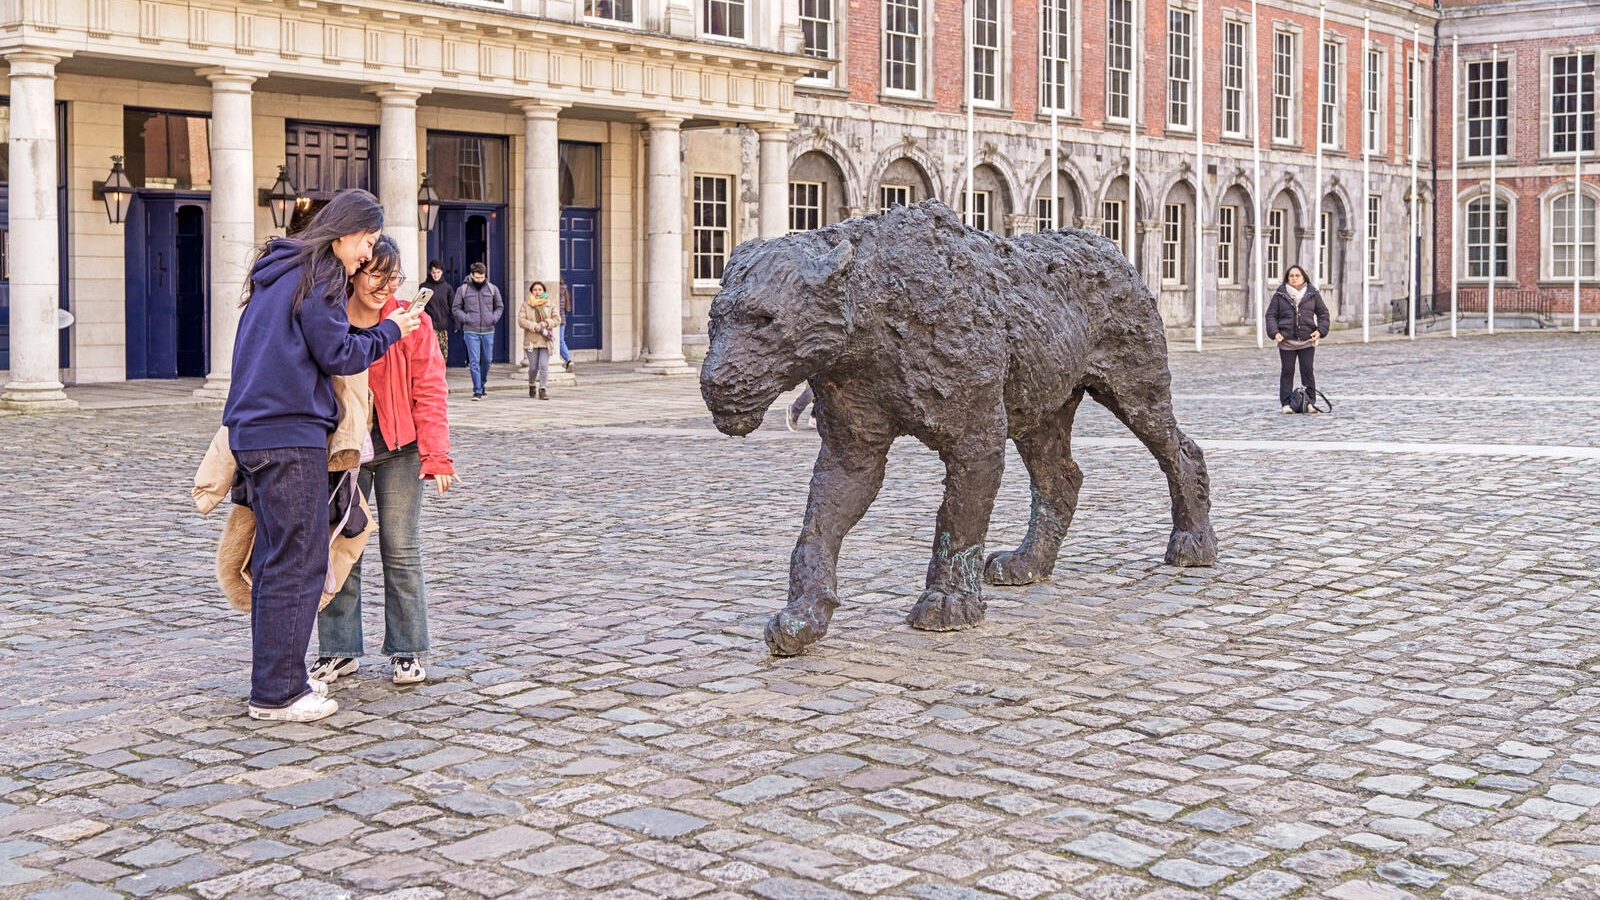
<point x="912" y="323"/>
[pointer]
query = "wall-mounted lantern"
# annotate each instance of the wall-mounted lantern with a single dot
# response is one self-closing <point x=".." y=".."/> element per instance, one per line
<point x="116" y="191"/>
<point x="427" y="205"/>
<point x="281" y="199"/>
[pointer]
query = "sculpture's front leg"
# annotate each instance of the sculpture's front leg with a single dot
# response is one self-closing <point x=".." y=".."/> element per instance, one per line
<point x="953" y="598"/>
<point x="846" y="480"/>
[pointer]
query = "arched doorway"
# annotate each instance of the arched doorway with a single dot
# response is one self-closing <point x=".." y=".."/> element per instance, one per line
<point x="903" y="183"/>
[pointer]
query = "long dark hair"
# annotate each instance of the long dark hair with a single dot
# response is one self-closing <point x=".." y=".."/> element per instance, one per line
<point x="349" y="212"/>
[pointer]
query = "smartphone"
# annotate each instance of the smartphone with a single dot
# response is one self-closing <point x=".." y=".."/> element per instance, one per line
<point x="419" y="300"/>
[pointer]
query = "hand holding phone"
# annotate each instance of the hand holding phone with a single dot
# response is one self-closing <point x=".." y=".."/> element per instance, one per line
<point x="420" y="300"/>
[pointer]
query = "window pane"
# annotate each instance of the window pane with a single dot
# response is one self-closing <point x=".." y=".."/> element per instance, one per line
<point x="1119" y="57"/>
<point x="166" y="150"/>
<point x="1179" y="65"/>
<point x="580" y="174"/>
<point x="467" y="166"/>
<point x="616" y="10"/>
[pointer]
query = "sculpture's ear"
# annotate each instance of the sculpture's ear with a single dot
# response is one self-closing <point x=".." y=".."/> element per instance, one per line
<point x="817" y="270"/>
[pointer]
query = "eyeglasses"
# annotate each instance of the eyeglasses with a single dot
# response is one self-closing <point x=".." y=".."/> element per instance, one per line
<point x="393" y="280"/>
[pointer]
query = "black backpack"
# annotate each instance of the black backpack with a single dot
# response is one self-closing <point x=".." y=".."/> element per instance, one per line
<point x="1302" y="402"/>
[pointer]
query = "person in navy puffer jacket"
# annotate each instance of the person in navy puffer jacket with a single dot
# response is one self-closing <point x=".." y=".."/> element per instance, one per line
<point x="293" y="337"/>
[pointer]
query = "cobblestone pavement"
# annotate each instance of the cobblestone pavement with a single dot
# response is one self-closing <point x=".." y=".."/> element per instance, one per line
<point x="1385" y="688"/>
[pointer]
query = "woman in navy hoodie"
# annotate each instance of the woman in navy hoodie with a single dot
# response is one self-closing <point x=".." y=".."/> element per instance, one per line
<point x="293" y="337"/>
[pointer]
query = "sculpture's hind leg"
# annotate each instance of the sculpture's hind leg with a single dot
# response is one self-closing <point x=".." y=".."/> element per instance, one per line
<point x="848" y="474"/>
<point x="1141" y="397"/>
<point x="953" y="598"/>
<point x="1054" y="480"/>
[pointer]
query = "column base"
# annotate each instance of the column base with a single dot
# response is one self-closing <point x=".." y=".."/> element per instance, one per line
<point x="675" y="366"/>
<point x="214" y="389"/>
<point x="36" y="398"/>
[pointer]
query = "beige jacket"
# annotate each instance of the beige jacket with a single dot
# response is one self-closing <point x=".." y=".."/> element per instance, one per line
<point x="535" y="317"/>
<point x="213" y="482"/>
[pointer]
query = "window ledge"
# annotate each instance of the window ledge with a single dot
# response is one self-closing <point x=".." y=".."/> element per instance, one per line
<point x="1559" y="159"/>
<point x="821" y="90"/>
<point x="1065" y="118"/>
<point x="1557" y="284"/>
<point x="905" y="100"/>
<point x="701" y="287"/>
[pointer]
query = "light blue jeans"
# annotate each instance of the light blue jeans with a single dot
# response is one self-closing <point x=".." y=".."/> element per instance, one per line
<point x="480" y="353"/>
<point x="396" y="475"/>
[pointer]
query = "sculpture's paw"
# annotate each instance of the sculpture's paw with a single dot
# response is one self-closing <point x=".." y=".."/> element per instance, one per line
<point x="939" y="610"/>
<point x="1012" y="567"/>
<point x="1192" y="548"/>
<point x="794" y="628"/>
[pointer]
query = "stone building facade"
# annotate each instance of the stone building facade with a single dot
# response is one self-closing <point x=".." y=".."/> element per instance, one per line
<point x="1523" y="94"/>
<point x="888" y="124"/>
<point x="553" y="131"/>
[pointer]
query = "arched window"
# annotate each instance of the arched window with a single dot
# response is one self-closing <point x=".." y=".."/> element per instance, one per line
<point x="1488" y="238"/>
<point x="1574" y="225"/>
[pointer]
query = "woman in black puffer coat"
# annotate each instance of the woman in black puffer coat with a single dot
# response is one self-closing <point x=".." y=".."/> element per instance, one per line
<point x="1297" y="319"/>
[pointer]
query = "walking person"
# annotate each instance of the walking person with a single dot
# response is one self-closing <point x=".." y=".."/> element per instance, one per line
<point x="541" y="324"/>
<point x="561" y="330"/>
<point x="411" y="446"/>
<point x="293" y="337"/>
<point x="791" y="416"/>
<point x="439" y="306"/>
<point x="1297" y="319"/>
<point x="476" y="309"/>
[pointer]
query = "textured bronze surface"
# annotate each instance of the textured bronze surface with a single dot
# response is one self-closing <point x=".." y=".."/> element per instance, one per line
<point x="911" y="323"/>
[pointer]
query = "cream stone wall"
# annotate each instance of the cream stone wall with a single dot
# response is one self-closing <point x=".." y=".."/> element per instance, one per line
<point x="730" y="153"/>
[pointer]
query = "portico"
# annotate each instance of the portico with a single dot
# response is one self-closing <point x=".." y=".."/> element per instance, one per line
<point x="363" y="98"/>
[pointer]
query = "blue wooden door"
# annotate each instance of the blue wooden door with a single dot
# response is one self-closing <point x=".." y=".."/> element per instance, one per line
<point x="580" y="272"/>
<point x="463" y="235"/>
<point x="166" y="287"/>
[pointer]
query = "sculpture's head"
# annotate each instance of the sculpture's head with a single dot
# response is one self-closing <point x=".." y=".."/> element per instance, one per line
<point x="783" y="315"/>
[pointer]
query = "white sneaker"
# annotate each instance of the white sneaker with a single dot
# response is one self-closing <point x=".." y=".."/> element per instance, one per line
<point x="1287" y="410"/>
<point x="332" y="668"/>
<point x="320" y="688"/>
<point x="790" y="418"/>
<point x="308" y="708"/>
<point x="407" y="670"/>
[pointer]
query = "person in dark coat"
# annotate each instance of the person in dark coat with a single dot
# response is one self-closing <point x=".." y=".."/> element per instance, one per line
<point x="1297" y="319"/>
<point x="439" y="305"/>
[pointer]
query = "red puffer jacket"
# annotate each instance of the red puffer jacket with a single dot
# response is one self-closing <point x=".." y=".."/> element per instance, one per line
<point x="408" y="392"/>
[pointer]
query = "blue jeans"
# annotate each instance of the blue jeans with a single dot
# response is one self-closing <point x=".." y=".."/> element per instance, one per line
<point x="561" y="340"/>
<point x="287" y="488"/>
<point x="480" y="352"/>
<point x="396" y="474"/>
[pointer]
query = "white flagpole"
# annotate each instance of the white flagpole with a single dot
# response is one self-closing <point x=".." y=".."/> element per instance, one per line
<point x="1255" y="190"/>
<point x="972" y="94"/>
<point x="1455" y="173"/>
<point x="1199" y="82"/>
<point x="1366" y="179"/>
<point x="1055" y="157"/>
<point x="1494" y="186"/>
<point x="1577" y="233"/>
<point x="1316" y="215"/>
<point x="1136" y="41"/>
<point x="1413" y="277"/>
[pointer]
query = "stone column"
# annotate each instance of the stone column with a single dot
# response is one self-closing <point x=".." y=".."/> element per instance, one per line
<point x="398" y="177"/>
<point x="35" y="383"/>
<point x="233" y="216"/>
<point x="773" y="198"/>
<point x="664" y="249"/>
<point x="541" y="205"/>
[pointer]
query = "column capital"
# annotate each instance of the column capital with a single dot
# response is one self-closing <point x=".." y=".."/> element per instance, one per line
<point x="395" y="94"/>
<point x="536" y="108"/>
<point x="774" y="131"/>
<point x="223" y="76"/>
<point x="664" y="121"/>
<point x="36" y="62"/>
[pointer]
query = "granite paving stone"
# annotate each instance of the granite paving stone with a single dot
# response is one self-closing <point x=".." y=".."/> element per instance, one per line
<point x="1384" y="688"/>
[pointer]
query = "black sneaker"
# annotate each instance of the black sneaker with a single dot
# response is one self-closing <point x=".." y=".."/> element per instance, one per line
<point x="328" y="669"/>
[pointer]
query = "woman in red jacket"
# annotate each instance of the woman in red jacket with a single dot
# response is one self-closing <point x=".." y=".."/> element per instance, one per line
<point x="411" y="444"/>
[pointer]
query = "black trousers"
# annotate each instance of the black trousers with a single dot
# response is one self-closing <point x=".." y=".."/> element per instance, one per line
<point x="1286" y="376"/>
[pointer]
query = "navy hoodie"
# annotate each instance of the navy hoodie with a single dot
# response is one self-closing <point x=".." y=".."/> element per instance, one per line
<point x="283" y="361"/>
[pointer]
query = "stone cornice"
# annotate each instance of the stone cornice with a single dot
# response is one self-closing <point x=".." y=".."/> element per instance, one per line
<point x="433" y="47"/>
